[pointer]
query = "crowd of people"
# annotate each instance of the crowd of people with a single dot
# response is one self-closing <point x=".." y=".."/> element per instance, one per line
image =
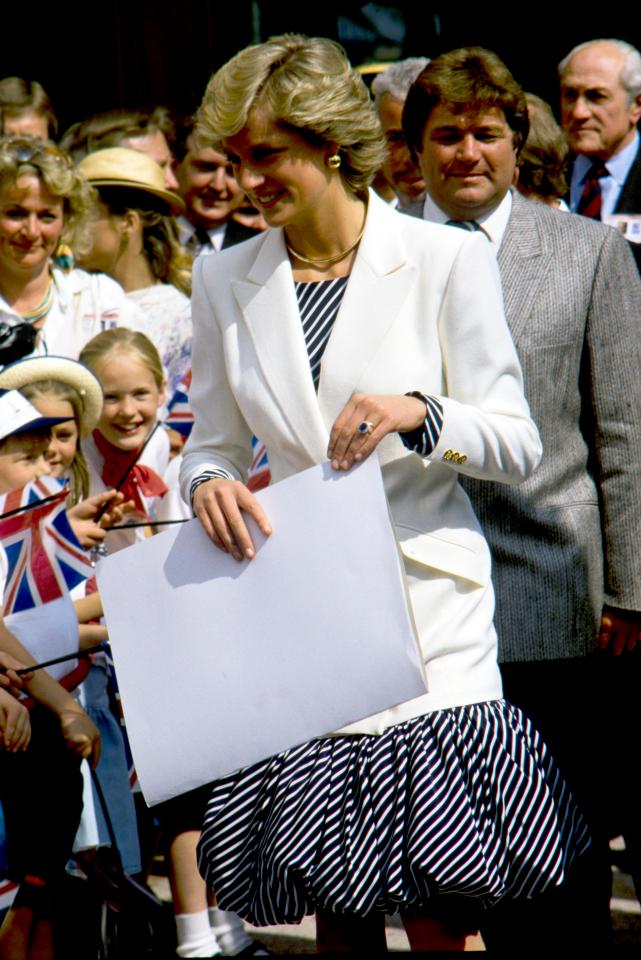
<point x="433" y="271"/>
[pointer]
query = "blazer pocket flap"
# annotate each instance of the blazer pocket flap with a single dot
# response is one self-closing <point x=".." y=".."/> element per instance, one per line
<point x="448" y="555"/>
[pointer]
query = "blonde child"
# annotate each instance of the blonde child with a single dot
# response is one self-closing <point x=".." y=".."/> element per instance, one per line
<point x="130" y="372"/>
<point x="125" y="448"/>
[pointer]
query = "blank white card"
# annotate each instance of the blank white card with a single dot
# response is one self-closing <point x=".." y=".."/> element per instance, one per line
<point x="222" y="663"/>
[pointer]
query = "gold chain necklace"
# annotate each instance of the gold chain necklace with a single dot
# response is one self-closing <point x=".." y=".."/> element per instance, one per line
<point x="327" y="261"/>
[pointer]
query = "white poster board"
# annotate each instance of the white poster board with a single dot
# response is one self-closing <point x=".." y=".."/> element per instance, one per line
<point x="222" y="663"/>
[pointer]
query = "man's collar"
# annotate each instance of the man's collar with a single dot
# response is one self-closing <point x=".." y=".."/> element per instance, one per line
<point x="618" y="166"/>
<point x="187" y="229"/>
<point x="493" y="223"/>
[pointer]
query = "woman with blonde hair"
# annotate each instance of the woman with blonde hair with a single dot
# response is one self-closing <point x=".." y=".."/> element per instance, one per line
<point x="345" y="330"/>
<point x="46" y="305"/>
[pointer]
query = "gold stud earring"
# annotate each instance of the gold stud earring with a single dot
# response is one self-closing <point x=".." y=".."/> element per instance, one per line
<point x="334" y="161"/>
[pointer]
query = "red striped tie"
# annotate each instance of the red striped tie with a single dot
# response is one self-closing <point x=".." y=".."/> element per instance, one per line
<point x="590" y="199"/>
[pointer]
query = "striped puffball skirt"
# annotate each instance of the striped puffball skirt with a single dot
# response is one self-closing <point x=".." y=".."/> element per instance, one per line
<point x="463" y="801"/>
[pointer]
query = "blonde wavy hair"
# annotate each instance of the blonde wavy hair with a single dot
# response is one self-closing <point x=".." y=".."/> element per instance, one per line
<point x="26" y="156"/>
<point x="308" y="86"/>
<point x="117" y="340"/>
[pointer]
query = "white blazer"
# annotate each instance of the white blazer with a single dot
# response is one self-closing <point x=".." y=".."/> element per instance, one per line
<point x="422" y="311"/>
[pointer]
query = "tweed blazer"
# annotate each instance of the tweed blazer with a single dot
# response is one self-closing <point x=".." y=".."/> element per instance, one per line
<point x="422" y="310"/>
<point x="569" y="538"/>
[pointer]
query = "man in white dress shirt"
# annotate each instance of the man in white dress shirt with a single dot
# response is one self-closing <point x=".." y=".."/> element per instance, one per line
<point x="600" y="110"/>
<point x="207" y="185"/>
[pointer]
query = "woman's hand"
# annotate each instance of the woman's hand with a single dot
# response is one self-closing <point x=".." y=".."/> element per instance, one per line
<point x="219" y="505"/>
<point x="381" y="415"/>
<point x="80" y="733"/>
<point x="15" y="726"/>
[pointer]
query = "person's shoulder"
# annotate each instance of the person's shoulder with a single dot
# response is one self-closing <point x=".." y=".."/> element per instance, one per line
<point x="559" y="223"/>
<point x="102" y="298"/>
<point x="160" y="295"/>
<point x="232" y="261"/>
<point x="418" y="233"/>
<point x="79" y="281"/>
<point x="593" y="251"/>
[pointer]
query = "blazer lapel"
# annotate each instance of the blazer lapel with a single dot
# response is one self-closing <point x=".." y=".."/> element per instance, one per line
<point x="268" y="304"/>
<point x="380" y="281"/>
<point x="377" y="288"/>
<point x="523" y="258"/>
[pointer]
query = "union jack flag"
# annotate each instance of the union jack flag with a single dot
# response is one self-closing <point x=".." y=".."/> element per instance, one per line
<point x="179" y="415"/>
<point x="8" y="890"/>
<point x="44" y="557"/>
<point x="259" y="474"/>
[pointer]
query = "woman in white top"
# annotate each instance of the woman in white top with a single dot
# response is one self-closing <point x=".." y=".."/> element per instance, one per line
<point x="346" y="329"/>
<point x="44" y="207"/>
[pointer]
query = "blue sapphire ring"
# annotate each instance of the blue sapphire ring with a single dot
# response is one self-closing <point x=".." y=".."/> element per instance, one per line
<point x="365" y="426"/>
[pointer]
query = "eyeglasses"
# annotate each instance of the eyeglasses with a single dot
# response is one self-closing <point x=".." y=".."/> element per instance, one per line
<point x="26" y="151"/>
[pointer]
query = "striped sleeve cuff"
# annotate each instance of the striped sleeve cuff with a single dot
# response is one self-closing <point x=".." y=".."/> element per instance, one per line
<point x="217" y="474"/>
<point x="423" y="439"/>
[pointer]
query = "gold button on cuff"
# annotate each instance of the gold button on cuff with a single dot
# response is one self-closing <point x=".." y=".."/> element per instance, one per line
<point x="454" y="455"/>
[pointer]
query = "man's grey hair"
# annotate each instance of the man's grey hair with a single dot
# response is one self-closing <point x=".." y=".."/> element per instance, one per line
<point x="397" y="79"/>
<point x="631" y="72"/>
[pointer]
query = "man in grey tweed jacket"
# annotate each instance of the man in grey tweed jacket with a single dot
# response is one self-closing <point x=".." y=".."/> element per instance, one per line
<point x="566" y="544"/>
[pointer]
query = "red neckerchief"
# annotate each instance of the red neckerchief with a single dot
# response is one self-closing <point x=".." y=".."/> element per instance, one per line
<point x="141" y="479"/>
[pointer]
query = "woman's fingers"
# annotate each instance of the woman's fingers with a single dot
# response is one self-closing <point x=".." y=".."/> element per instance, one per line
<point x="358" y="430"/>
<point x="229" y="525"/>
<point x="220" y="505"/>
<point x="365" y="420"/>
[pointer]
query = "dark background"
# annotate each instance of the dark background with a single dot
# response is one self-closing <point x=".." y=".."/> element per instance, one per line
<point x="142" y="53"/>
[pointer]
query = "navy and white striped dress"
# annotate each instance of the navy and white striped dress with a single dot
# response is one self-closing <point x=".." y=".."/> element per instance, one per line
<point x="464" y="801"/>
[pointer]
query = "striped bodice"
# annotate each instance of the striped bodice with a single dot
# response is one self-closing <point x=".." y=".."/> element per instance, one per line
<point x="318" y="303"/>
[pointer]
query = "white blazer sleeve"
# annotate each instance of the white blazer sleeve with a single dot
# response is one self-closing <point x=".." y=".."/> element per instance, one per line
<point x="220" y="438"/>
<point x="487" y="430"/>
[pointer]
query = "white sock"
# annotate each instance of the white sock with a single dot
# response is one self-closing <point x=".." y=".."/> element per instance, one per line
<point x="195" y="936"/>
<point x="230" y="931"/>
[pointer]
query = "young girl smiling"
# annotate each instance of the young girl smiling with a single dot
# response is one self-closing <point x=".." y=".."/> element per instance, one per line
<point x="130" y="371"/>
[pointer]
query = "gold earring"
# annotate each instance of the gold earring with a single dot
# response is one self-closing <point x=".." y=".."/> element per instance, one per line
<point x="334" y="161"/>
